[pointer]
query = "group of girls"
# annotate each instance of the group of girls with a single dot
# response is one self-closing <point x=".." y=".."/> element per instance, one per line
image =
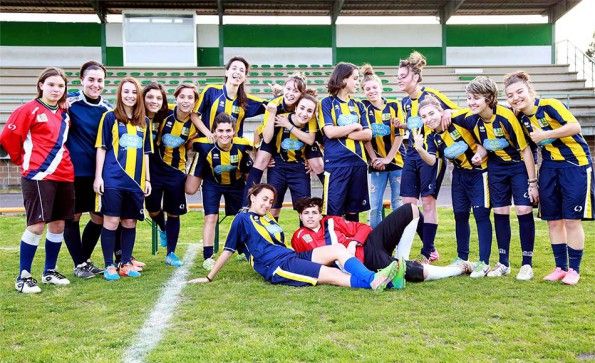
<point x="136" y="154"/>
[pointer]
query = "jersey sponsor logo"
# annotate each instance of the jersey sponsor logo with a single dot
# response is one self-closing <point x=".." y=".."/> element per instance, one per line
<point x="455" y="150"/>
<point x="495" y="144"/>
<point x="42" y="117"/>
<point x="380" y="130"/>
<point x="131" y="141"/>
<point x="172" y="141"/>
<point x="291" y="144"/>
<point x="274" y="228"/>
<point x="220" y="169"/>
<point x="345" y="120"/>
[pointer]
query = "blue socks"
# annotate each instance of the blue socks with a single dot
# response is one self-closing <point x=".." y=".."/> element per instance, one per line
<point x="429" y="235"/>
<point x="462" y="232"/>
<point x="527" y="236"/>
<point x="502" y="224"/>
<point x="108" y="244"/>
<point x="560" y="251"/>
<point x="29" y="243"/>
<point x="53" y="242"/>
<point x="574" y="258"/>
<point x="361" y="277"/>
<point x="484" y="233"/>
<point x="207" y="252"/>
<point x="172" y="229"/>
<point x="128" y="237"/>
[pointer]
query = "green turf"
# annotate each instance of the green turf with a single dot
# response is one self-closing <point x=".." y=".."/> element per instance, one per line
<point x="239" y="317"/>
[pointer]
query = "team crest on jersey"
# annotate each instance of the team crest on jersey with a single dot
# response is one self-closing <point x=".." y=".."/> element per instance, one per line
<point x="498" y="132"/>
<point x="455" y="134"/>
<point x="235" y="109"/>
<point x="42" y="117"/>
<point x="307" y="238"/>
<point x="234" y="158"/>
<point x="543" y="122"/>
<point x="351" y="108"/>
<point x="385" y="116"/>
<point x="185" y="131"/>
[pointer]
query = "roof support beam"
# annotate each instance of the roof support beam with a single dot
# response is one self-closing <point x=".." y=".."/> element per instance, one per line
<point x="449" y="9"/>
<point x="100" y="10"/>
<point x="336" y="10"/>
<point x="560" y="8"/>
<point x="220" y="11"/>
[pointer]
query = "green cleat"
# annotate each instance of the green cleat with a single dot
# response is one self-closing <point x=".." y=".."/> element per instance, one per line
<point x="399" y="279"/>
<point x="384" y="276"/>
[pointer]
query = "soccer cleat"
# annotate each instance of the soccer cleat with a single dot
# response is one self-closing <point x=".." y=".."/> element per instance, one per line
<point x="556" y="275"/>
<point x="128" y="269"/>
<point x="208" y="264"/>
<point x="173" y="260"/>
<point x="83" y="271"/>
<point x="499" y="270"/>
<point x="571" y="277"/>
<point x="111" y="273"/>
<point x="525" y="273"/>
<point x="434" y="256"/>
<point x="162" y="238"/>
<point x="399" y="279"/>
<point x="384" y="276"/>
<point x="480" y="270"/>
<point x="137" y="264"/>
<point x="54" y="277"/>
<point x="26" y="284"/>
<point x="94" y="269"/>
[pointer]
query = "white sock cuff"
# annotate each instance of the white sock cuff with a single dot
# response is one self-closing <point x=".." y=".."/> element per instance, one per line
<point x="54" y="237"/>
<point x="31" y="238"/>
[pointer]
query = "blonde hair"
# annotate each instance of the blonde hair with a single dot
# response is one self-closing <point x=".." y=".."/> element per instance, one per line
<point x="485" y="87"/>
<point x="415" y="63"/>
<point x="430" y="100"/>
<point x="368" y="75"/>
<point x="519" y="76"/>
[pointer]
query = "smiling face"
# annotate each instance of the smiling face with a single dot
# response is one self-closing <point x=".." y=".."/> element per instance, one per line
<point x="224" y="134"/>
<point x="519" y="96"/>
<point x="236" y="73"/>
<point x="351" y="82"/>
<point x="477" y="103"/>
<point x="129" y="94"/>
<point x="305" y="110"/>
<point x="261" y="202"/>
<point x="372" y="90"/>
<point x="406" y="80"/>
<point x="185" y="100"/>
<point x="52" y="89"/>
<point x="311" y="217"/>
<point x="431" y="116"/>
<point x="153" y="101"/>
<point x="291" y="93"/>
<point x="93" y="83"/>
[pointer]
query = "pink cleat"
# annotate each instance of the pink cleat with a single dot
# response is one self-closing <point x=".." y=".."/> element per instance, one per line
<point x="571" y="277"/>
<point x="434" y="255"/>
<point x="556" y="275"/>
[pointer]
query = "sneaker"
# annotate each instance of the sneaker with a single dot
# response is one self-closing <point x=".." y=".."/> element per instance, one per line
<point x="480" y="270"/>
<point x="128" y="269"/>
<point x="208" y="264"/>
<point x="54" y="277"/>
<point x="94" y="269"/>
<point x="384" y="276"/>
<point x="571" y="277"/>
<point x="556" y="275"/>
<point x="525" y="273"/>
<point x="26" y="284"/>
<point x="83" y="271"/>
<point x="399" y="279"/>
<point x="434" y="255"/>
<point x="162" y="238"/>
<point x="136" y="263"/>
<point x="173" y="260"/>
<point x="499" y="270"/>
<point x="111" y="273"/>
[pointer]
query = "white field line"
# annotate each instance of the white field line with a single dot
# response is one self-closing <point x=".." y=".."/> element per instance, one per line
<point x="154" y="327"/>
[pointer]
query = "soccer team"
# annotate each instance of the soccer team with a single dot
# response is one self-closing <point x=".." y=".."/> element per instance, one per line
<point x="79" y="154"/>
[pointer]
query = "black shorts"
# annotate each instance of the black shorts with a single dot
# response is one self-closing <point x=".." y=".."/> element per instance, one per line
<point x="84" y="195"/>
<point x="169" y="192"/>
<point x="47" y="200"/>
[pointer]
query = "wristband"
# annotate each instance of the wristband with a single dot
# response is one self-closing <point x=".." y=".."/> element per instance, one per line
<point x="208" y="278"/>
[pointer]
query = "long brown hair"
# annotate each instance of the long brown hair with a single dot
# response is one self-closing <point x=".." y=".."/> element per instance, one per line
<point x="242" y="96"/>
<point x="50" y="72"/>
<point x="138" y="112"/>
<point x="257" y="188"/>
<point x="341" y="72"/>
<point x="164" y="110"/>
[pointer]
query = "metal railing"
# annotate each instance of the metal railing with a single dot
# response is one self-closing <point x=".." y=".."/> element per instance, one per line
<point x="578" y="61"/>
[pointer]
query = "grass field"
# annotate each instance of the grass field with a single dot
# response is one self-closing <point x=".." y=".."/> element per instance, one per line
<point x="239" y="317"/>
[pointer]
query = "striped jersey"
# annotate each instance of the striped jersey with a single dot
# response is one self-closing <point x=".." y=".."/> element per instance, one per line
<point x="34" y="137"/>
<point x="219" y="166"/>
<point x="171" y="141"/>
<point x="125" y="146"/>
<point x="384" y="132"/>
<point x="288" y="147"/>
<point x="459" y="134"/>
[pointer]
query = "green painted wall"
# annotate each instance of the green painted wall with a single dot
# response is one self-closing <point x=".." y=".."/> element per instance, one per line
<point x="50" y="34"/>
<point x="115" y="56"/>
<point x="208" y="56"/>
<point x="499" y="35"/>
<point x="387" y="56"/>
<point x="277" y="36"/>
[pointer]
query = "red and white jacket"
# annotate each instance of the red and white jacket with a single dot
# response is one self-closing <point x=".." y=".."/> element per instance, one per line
<point x="34" y="138"/>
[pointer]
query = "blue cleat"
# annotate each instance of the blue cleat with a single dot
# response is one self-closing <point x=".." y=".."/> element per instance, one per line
<point x="173" y="260"/>
<point x="111" y="273"/>
<point x="162" y="238"/>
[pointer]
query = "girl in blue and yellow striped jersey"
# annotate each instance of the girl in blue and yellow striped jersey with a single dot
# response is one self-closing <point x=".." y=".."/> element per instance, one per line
<point x="230" y="98"/>
<point x="256" y="234"/>
<point x="386" y="147"/>
<point x="419" y="179"/>
<point x="291" y="136"/>
<point x="168" y="169"/>
<point x="511" y="168"/>
<point x="565" y="175"/>
<point x="469" y="178"/>
<point x="122" y="178"/>
<point x="344" y="124"/>
<point x="221" y="167"/>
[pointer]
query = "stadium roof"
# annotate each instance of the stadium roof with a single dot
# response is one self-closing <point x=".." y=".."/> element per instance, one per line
<point x="444" y="9"/>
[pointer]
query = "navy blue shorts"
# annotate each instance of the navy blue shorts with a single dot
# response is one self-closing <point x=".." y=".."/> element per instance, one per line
<point x="508" y="181"/>
<point x="211" y="197"/>
<point x="297" y="270"/>
<point x="313" y="151"/>
<point x="469" y="189"/>
<point x="126" y="204"/>
<point x="289" y="175"/>
<point x="565" y="191"/>
<point x="170" y="190"/>
<point x="84" y="195"/>
<point x="345" y="190"/>
<point x="420" y="179"/>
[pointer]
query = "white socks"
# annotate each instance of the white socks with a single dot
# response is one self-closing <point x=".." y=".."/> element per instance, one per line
<point x="404" y="247"/>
